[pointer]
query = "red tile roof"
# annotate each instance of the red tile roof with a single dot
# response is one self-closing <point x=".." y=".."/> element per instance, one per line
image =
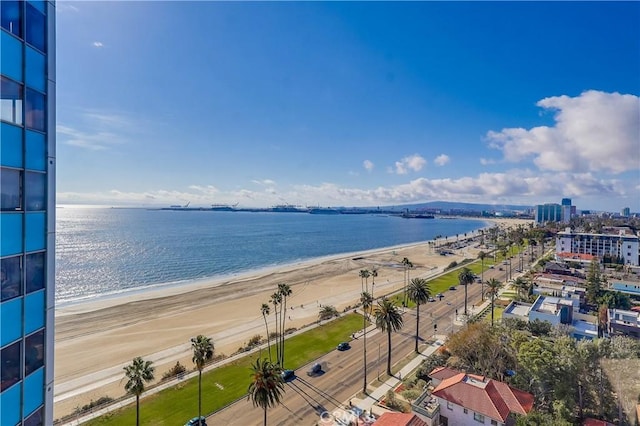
<point x="399" y="419"/>
<point x="488" y="397"/>
<point x="442" y="373"/>
<point x="595" y="422"/>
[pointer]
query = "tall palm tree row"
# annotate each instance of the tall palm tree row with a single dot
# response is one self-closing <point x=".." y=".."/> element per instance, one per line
<point x="419" y="292"/>
<point x="266" y="310"/>
<point x="276" y="299"/>
<point x="482" y="255"/>
<point x="267" y="386"/>
<point x="367" y="300"/>
<point x="202" y="353"/>
<point x="465" y="277"/>
<point x="407" y="266"/>
<point x="364" y="280"/>
<point x="388" y="318"/>
<point x="285" y="291"/>
<point x="493" y="286"/>
<point x="137" y="374"/>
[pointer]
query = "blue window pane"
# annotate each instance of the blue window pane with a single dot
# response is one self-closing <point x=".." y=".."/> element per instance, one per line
<point x="35" y="111"/>
<point x="35" y="28"/>
<point x="36" y="70"/>
<point x="34" y="309"/>
<point x="10" y="145"/>
<point x="10" y="234"/>
<point x="10" y="405"/>
<point x="10" y="328"/>
<point x="35" y="231"/>
<point x="35" y="191"/>
<point x="11" y="12"/>
<point x="33" y="391"/>
<point x="11" y="275"/>
<point x="36" y="156"/>
<point x="40" y="5"/>
<point x="10" y="194"/>
<point x="11" y="56"/>
<point x="34" y="267"/>
<point x="10" y="101"/>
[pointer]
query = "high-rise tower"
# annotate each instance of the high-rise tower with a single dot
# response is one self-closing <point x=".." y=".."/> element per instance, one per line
<point x="27" y="211"/>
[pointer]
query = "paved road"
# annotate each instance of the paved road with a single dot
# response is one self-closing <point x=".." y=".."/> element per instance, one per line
<point x="307" y="397"/>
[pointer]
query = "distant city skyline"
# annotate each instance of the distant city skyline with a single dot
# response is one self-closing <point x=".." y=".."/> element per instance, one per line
<point x="348" y="104"/>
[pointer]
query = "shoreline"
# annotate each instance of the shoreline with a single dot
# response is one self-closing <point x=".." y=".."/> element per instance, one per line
<point x="157" y="325"/>
<point x="158" y="290"/>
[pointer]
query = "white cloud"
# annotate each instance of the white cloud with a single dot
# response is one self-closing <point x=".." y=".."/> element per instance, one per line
<point x="93" y="141"/>
<point x="94" y="130"/>
<point x="264" y="182"/>
<point x="595" y="131"/>
<point x="441" y="160"/>
<point x="97" y="44"/>
<point x="413" y="162"/>
<point x="368" y="165"/>
<point x="487" y="161"/>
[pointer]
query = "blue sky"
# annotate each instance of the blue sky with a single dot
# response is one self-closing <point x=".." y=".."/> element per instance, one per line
<point x="348" y="103"/>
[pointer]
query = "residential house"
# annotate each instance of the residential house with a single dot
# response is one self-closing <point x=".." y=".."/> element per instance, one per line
<point x="399" y="419"/>
<point x="622" y="322"/>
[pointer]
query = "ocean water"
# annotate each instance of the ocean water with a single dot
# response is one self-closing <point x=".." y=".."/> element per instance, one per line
<point x="109" y="251"/>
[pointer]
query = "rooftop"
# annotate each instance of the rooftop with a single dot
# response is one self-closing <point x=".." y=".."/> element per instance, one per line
<point x="399" y="419"/>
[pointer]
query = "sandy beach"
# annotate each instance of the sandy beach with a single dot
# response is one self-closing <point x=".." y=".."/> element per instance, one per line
<point x="94" y="340"/>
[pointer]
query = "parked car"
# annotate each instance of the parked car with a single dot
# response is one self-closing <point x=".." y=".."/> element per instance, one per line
<point x="343" y="346"/>
<point x="453" y="287"/>
<point x="431" y="299"/>
<point x="197" y="421"/>
<point x="440" y="296"/>
<point x="287" y="375"/>
<point x="315" y="369"/>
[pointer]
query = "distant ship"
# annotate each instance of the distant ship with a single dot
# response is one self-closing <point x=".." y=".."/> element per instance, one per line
<point x="223" y="207"/>
<point x="287" y="208"/>
<point x="417" y="216"/>
<point x="324" y="210"/>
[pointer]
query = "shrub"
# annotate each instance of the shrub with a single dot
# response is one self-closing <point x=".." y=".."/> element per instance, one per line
<point x="93" y="404"/>
<point x="174" y="371"/>
<point x="254" y="341"/>
<point x="411" y="394"/>
<point x="327" y="312"/>
<point x="451" y="265"/>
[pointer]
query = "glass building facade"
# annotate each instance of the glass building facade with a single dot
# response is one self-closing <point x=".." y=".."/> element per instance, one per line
<point x="27" y="211"/>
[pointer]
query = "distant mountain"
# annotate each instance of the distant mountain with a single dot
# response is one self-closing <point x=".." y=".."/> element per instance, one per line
<point x="449" y="205"/>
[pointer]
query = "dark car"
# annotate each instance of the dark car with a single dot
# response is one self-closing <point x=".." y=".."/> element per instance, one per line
<point x="315" y="369"/>
<point x="453" y="287"/>
<point x="287" y="375"/>
<point x="197" y="421"/>
<point x="343" y="346"/>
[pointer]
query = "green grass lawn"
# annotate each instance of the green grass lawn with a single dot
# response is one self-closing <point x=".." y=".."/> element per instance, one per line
<point x="226" y="384"/>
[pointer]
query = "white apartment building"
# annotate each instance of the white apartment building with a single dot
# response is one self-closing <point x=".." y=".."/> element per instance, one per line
<point x="622" y="245"/>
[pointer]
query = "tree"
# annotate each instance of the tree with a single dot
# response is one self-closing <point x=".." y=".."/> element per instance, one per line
<point x="419" y="293"/>
<point x="267" y="386"/>
<point x="364" y="280"/>
<point x="594" y="281"/>
<point x="266" y="311"/>
<point x="327" y="312"/>
<point x="388" y="318"/>
<point x="407" y="265"/>
<point x="202" y="353"/>
<point x="482" y="255"/>
<point x="493" y="286"/>
<point x="366" y="299"/>
<point x="276" y="299"/>
<point x="374" y="274"/>
<point x="522" y="286"/>
<point x="137" y="374"/>
<point x="465" y="277"/>
<point x="285" y="291"/>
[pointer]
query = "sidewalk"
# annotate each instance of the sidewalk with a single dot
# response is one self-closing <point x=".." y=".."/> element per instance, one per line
<point x="392" y="382"/>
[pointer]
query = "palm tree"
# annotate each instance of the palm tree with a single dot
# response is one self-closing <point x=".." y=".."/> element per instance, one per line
<point x="364" y="280"/>
<point x="266" y="310"/>
<point x="267" y="386"/>
<point x="275" y="300"/>
<point x="407" y="265"/>
<point x="366" y="300"/>
<point x="465" y="277"/>
<point x="521" y="286"/>
<point x="137" y="374"/>
<point x="482" y="255"/>
<point x="419" y="292"/>
<point x="374" y="274"/>
<point x="493" y="286"/>
<point x="285" y="291"/>
<point x="388" y="318"/>
<point x="202" y="353"/>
